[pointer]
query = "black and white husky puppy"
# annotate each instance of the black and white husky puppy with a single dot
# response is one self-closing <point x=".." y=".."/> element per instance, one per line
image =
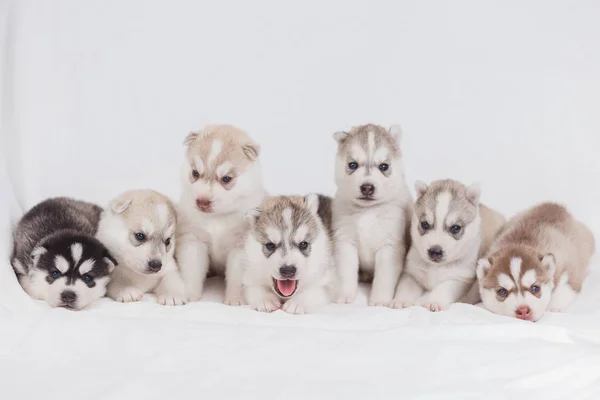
<point x="56" y="257"/>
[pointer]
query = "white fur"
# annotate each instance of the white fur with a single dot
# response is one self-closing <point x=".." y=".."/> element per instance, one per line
<point x="61" y="264"/>
<point x="86" y="266"/>
<point x="76" y="252"/>
<point x="563" y="295"/>
<point x="506" y="282"/>
<point x="515" y="268"/>
<point x="215" y="150"/>
<point x="515" y="300"/>
<point x="199" y="164"/>
<point x="528" y="278"/>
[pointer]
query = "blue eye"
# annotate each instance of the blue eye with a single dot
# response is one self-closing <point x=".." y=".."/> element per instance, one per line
<point x="226" y="179"/>
<point x="534" y="289"/>
<point x="196" y="174"/>
<point x="270" y="246"/>
<point x="86" y="278"/>
<point x="384" y="167"/>
<point x="55" y="274"/>
<point x="303" y="245"/>
<point x="425" y="225"/>
<point x="353" y="165"/>
<point x="140" y="237"/>
<point x="168" y="242"/>
<point x="502" y="292"/>
<point x="455" y="229"/>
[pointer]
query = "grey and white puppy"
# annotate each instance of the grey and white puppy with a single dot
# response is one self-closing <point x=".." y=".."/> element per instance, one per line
<point x="288" y="260"/>
<point x="56" y="257"/>
<point x="371" y="211"/>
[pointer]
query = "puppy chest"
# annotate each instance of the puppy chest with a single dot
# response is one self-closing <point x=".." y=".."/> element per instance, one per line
<point x="371" y="234"/>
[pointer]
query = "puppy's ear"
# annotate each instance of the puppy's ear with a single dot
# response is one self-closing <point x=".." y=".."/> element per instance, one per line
<point x="118" y="206"/>
<point x="549" y="262"/>
<point x="421" y="188"/>
<point x="340" y="136"/>
<point x="474" y="193"/>
<point x="396" y="132"/>
<point x="252" y="216"/>
<point x="251" y="150"/>
<point x="110" y="260"/>
<point x="312" y="201"/>
<point x="483" y="267"/>
<point x="190" y="138"/>
<point x="36" y="253"/>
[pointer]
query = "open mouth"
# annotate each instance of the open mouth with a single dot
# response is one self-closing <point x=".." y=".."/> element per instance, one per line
<point x="285" y="287"/>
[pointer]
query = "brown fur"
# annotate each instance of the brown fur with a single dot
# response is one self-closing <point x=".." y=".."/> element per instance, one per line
<point x="358" y="135"/>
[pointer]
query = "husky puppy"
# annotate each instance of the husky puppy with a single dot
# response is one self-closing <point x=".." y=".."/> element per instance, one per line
<point x="139" y="229"/>
<point x="221" y="181"/>
<point x="288" y="261"/>
<point x="371" y="211"/>
<point x="537" y="263"/>
<point x="56" y="257"/>
<point x="449" y="231"/>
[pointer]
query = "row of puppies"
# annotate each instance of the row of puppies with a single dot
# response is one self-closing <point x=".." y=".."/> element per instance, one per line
<point x="298" y="253"/>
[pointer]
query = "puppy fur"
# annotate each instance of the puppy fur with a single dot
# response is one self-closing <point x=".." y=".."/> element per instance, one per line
<point x="288" y="258"/>
<point x="221" y="181"/>
<point x="139" y="229"/>
<point x="449" y="231"/>
<point x="537" y="263"/>
<point x="56" y="257"/>
<point x="371" y="212"/>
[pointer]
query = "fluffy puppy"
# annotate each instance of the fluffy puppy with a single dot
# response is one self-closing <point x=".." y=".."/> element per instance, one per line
<point x="56" y="257"/>
<point x="371" y="211"/>
<point x="537" y="263"/>
<point x="449" y="231"/>
<point x="221" y="180"/>
<point x="139" y="229"/>
<point x="288" y="260"/>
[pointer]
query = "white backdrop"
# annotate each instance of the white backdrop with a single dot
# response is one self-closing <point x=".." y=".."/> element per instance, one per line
<point x="97" y="96"/>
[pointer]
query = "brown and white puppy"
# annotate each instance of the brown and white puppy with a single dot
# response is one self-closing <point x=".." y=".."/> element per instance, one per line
<point x="221" y="181"/>
<point x="288" y="259"/>
<point x="450" y="230"/>
<point x="537" y="263"/>
<point x="371" y="211"/>
<point x="138" y="228"/>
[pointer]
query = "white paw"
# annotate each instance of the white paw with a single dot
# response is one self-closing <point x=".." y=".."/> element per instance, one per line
<point x="235" y="301"/>
<point x="269" y="304"/>
<point x="401" y="304"/>
<point x="433" y="307"/>
<point x="346" y="297"/>
<point x="129" y="295"/>
<point x="295" y="307"/>
<point x="555" y="309"/>
<point x="170" y="300"/>
<point x="379" y="301"/>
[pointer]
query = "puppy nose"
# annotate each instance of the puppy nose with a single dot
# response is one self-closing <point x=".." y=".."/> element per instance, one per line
<point x="367" y="189"/>
<point x="287" y="271"/>
<point x="203" y="203"/>
<point x="524" y="312"/>
<point x="154" y="265"/>
<point x="68" y="296"/>
<point x="436" y="253"/>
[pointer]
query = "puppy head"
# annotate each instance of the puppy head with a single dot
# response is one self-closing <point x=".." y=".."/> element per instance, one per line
<point x="517" y="282"/>
<point x="69" y="270"/>
<point x="368" y="166"/>
<point x="446" y="220"/>
<point x="139" y="229"/>
<point x="221" y="168"/>
<point x="287" y="243"/>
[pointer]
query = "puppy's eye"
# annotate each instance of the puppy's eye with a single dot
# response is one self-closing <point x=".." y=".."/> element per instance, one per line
<point x="455" y="229"/>
<point x="195" y="173"/>
<point x="55" y="274"/>
<point x="352" y="165"/>
<point x="226" y="179"/>
<point x="383" y="167"/>
<point x="86" y="278"/>
<point x="425" y="225"/>
<point x="534" y="289"/>
<point x="303" y="245"/>
<point x="502" y="292"/>
<point x="270" y="246"/>
<point x="140" y="237"/>
<point x="168" y="242"/>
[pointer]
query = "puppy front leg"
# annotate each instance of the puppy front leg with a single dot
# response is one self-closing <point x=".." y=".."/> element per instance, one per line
<point x="122" y="289"/>
<point x="193" y="260"/>
<point x="234" y="273"/>
<point x="307" y="301"/>
<point x="387" y="272"/>
<point x="346" y="260"/>
<point x="407" y="292"/>
<point x="262" y="299"/>
<point x="171" y="290"/>
<point x="443" y="295"/>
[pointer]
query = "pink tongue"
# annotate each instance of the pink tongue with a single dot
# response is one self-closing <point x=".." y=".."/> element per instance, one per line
<point x="286" y="287"/>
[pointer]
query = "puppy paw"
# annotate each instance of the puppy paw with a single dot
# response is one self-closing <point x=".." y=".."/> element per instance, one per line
<point x="129" y="295"/>
<point x="171" y="300"/>
<point x="401" y="304"/>
<point x="235" y="301"/>
<point x="346" y="297"/>
<point x="555" y="309"/>
<point x="379" y="301"/>
<point x="433" y="307"/>
<point x="295" y="307"/>
<point x="269" y="304"/>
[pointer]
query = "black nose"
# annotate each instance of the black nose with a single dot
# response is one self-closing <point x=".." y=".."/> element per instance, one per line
<point x="68" y="297"/>
<point x="154" y="265"/>
<point x="287" y="271"/>
<point x="367" y="189"/>
<point x="436" y="253"/>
